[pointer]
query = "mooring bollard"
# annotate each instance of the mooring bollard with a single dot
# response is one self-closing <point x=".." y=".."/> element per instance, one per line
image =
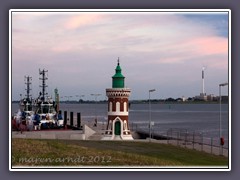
<point x="78" y="120"/>
<point x="71" y="118"/>
<point x="65" y="118"/>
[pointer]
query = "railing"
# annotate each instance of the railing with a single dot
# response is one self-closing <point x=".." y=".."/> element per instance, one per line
<point x="184" y="138"/>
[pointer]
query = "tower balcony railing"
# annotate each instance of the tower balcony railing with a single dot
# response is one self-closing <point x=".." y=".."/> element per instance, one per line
<point x="118" y="89"/>
<point x="120" y="93"/>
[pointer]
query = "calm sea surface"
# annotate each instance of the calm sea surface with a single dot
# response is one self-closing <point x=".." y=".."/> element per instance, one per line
<point x="202" y="118"/>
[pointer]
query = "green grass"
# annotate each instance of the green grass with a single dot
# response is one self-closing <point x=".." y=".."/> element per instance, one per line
<point x="32" y="152"/>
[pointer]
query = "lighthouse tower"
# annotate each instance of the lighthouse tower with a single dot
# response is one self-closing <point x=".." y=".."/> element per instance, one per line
<point x="117" y="127"/>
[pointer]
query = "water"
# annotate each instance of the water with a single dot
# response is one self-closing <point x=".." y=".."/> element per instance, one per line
<point x="202" y="118"/>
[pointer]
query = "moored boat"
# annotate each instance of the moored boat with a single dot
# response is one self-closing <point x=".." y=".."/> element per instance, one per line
<point x="41" y="113"/>
<point x="46" y="108"/>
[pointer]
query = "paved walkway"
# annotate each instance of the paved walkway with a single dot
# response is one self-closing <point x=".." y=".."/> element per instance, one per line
<point x="50" y="134"/>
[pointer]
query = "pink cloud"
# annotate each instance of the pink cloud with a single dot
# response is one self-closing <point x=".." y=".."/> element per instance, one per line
<point x="211" y="51"/>
<point x="81" y="20"/>
<point x="209" y="45"/>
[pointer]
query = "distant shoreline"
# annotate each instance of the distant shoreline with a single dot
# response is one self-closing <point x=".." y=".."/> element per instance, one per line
<point x="143" y="102"/>
<point x="187" y="102"/>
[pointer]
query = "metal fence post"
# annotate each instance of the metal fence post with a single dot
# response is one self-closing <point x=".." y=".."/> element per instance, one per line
<point x="152" y="134"/>
<point x="167" y="137"/>
<point x="193" y="138"/>
<point x="221" y="149"/>
<point x="177" y="138"/>
<point x="170" y="136"/>
<point x="211" y="145"/>
<point x="186" y="139"/>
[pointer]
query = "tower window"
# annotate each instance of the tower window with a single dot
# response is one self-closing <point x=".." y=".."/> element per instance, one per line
<point x="117" y="106"/>
<point x="110" y="106"/>
<point x="125" y="106"/>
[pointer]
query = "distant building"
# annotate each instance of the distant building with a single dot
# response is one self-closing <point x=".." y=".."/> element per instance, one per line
<point x="224" y="99"/>
<point x="117" y="126"/>
<point x="205" y="97"/>
<point x="184" y="99"/>
<point x="210" y="97"/>
<point x="201" y="97"/>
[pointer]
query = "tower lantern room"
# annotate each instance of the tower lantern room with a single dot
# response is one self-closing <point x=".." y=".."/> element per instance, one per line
<point x="118" y="78"/>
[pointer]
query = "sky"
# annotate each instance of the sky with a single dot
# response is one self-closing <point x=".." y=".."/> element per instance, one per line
<point x="165" y="51"/>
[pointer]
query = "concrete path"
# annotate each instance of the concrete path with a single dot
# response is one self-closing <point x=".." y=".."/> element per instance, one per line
<point x="56" y="134"/>
<point x="53" y="134"/>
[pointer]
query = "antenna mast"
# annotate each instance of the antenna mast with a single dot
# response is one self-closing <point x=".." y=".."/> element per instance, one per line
<point x="203" y="83"/>
<point x="43" y="86"/>
<point x="28" y="88"/>
<point x="56" y="99"/>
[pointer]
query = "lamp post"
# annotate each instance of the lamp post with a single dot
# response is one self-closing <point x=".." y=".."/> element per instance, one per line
<point x="96" y="95"/>
<point x="221" y="140"/>
<point x="150" y="125"/>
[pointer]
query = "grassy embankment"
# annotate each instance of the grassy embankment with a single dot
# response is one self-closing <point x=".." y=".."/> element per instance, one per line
<point x="29" y="152"/>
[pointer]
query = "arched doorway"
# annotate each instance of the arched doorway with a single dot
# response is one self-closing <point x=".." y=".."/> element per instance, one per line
<point x="117" y="128"/>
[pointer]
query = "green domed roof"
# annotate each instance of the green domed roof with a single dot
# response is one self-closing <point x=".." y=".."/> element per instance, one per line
<point x="118" y="78"/>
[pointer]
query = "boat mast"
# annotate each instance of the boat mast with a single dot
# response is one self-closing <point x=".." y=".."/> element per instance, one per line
<point x="56" y="99"/>
<point x="43" y="86"/>
<point x="28" y="88"/>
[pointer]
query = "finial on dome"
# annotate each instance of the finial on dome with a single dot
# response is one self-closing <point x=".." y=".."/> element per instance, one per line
<point x="118" y="61"/>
